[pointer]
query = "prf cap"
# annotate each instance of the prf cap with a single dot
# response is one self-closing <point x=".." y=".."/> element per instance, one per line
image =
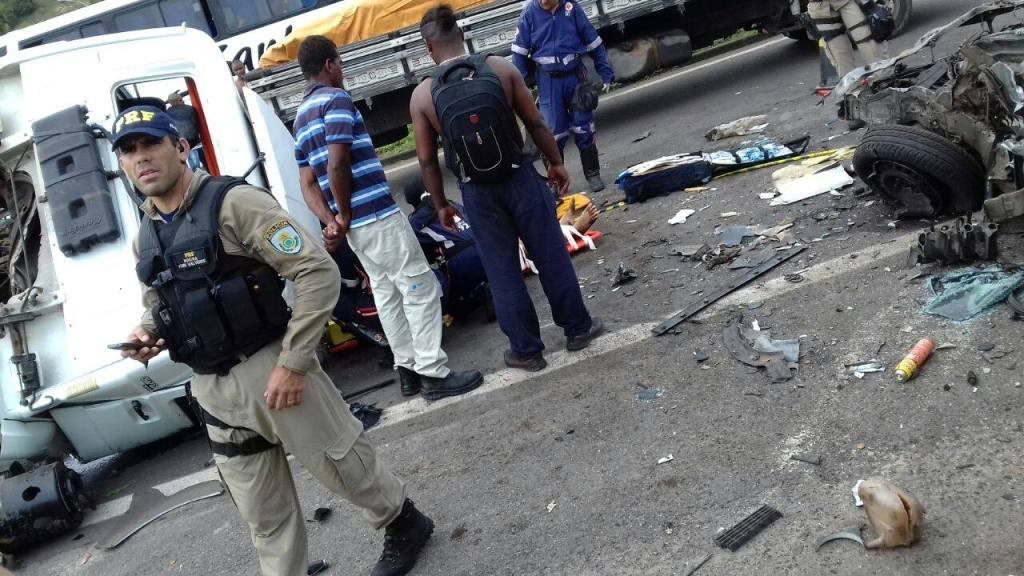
<point x="148" y="120"/>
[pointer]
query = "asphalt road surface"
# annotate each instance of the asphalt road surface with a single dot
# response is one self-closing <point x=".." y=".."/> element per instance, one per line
<point x="557" y="473"/>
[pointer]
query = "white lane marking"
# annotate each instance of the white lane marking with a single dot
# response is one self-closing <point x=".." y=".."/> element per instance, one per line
<point x="107" y="510"/>
<point x="509" y="377"/>
<point x="120" y="506"/>
<point x="686" y="70"/>
<point x="179" y="484"/>
<point x="640" y="332"/>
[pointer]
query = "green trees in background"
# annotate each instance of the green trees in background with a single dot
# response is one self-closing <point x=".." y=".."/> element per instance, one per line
<point x="12" y="12"/>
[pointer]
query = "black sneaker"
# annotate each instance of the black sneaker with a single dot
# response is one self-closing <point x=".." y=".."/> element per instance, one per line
<point x="404" y="539"/>
<point x="534" y="363"/>
<point x="453" y="384"/>
<point x="410" y="381"/>
<point x="581" y="341"/>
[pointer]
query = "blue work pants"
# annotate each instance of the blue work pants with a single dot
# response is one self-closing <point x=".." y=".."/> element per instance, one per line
<point x="556" y="107"/>
<point x="502" y="214"/>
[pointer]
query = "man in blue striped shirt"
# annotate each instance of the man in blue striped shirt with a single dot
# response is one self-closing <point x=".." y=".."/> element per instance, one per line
<point x="344" y="184"/>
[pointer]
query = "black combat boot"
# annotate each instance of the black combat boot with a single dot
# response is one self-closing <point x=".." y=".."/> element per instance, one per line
<point x="404" y="539"/>
<point x="453" y="384"/>
<point x="592" y="168"/>
<point x="410" y="381"/>
<point x="581" y="341"/>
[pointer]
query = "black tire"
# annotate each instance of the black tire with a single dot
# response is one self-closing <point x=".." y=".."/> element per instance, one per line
<point x="801" y="37"/>
<point x="924" y="172"/>
<point x="901" y="11"/>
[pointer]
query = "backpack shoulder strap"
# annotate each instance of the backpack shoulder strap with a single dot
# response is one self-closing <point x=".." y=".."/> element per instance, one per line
<point x="472" y="63"/>
<point x="480" y="60"/>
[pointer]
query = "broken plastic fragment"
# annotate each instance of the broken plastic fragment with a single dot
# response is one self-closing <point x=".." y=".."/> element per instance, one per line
<point x="808" y="458"/>
<point x="856" y="495"/>
<point x="317" y="567"/>
<point x="740" y="127"/>
<point x="861" y="368"/>
<point x="682" y="215"/>
<point x="624" y="275"/>
<point x="734" y="235"/>
<point x="649" y="395"/>
<point x="810" y="186"/>
<point x="665" y="459"/>
<point x="963" y="294"/>
<point x="551" y="506"/>
<point x="848" y="534"/>
<point x="643" y="136"/>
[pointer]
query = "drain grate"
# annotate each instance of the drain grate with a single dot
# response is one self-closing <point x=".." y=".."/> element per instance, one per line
<point x="744" y="530"/>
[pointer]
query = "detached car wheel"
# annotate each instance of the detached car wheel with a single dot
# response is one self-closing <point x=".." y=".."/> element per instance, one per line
<point x="920" y="170"/>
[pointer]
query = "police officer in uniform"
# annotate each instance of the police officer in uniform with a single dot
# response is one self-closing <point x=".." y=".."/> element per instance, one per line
<point x="211" y="253"/>
<point x="555" y="34"/>
<point x="843" y="24"/>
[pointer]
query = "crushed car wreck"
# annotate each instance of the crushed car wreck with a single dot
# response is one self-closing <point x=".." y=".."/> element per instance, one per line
<point x="946" y="135"/>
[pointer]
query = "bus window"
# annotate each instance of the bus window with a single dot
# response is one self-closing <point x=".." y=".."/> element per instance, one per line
<point x="288" y="7"/>
<point x="93" y="29"/>
<point x="138" y="19"/>
<point x="240" y="15"/>
<point x="175" y="12"/>
<point x="71" y="34"/>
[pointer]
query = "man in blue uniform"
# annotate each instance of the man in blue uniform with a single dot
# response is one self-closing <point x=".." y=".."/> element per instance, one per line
<point x="463" y="280"/>
<point x="555" y="34"/>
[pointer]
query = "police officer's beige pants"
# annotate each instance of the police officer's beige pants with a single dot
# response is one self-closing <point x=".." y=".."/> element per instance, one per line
<point x="840" y="48"/>
<point x="406" y="292"/>
<point x="323" y="436"/>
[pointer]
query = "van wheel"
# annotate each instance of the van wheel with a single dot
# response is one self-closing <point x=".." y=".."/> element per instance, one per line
<point x="802" y="37"/>
<point x="901" y="11"/>
<point x="920" y="170"/>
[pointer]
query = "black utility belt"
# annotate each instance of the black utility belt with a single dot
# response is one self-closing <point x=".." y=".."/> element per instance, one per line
<point x="224" y="367"/>
<point x="562" y="74"/>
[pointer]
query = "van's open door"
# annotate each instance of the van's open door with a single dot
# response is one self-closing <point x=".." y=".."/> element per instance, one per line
<point x="282" y="173"/>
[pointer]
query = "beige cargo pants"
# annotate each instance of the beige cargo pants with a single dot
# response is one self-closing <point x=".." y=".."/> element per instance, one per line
<point x="323" y="436"/>
<point x="832" y="16"/>
<point x="406" y="292"/>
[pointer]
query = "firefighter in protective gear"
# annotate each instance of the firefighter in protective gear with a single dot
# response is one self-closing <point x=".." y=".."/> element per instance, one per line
<point x="210" y="252"/>
<point x="843" y="24"/>
<point x="554" y="35"/>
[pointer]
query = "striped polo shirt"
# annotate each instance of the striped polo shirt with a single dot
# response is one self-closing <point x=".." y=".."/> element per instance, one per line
<point x="328" y="116"/>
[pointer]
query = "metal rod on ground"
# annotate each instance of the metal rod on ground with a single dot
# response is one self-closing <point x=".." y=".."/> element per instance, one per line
<point x="724" y="290"/>
<point x="358" y="393"/>
<point x="699" y="564"/>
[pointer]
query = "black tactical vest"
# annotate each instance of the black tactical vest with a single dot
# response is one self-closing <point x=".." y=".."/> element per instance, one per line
<point x="214" y="308"/>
